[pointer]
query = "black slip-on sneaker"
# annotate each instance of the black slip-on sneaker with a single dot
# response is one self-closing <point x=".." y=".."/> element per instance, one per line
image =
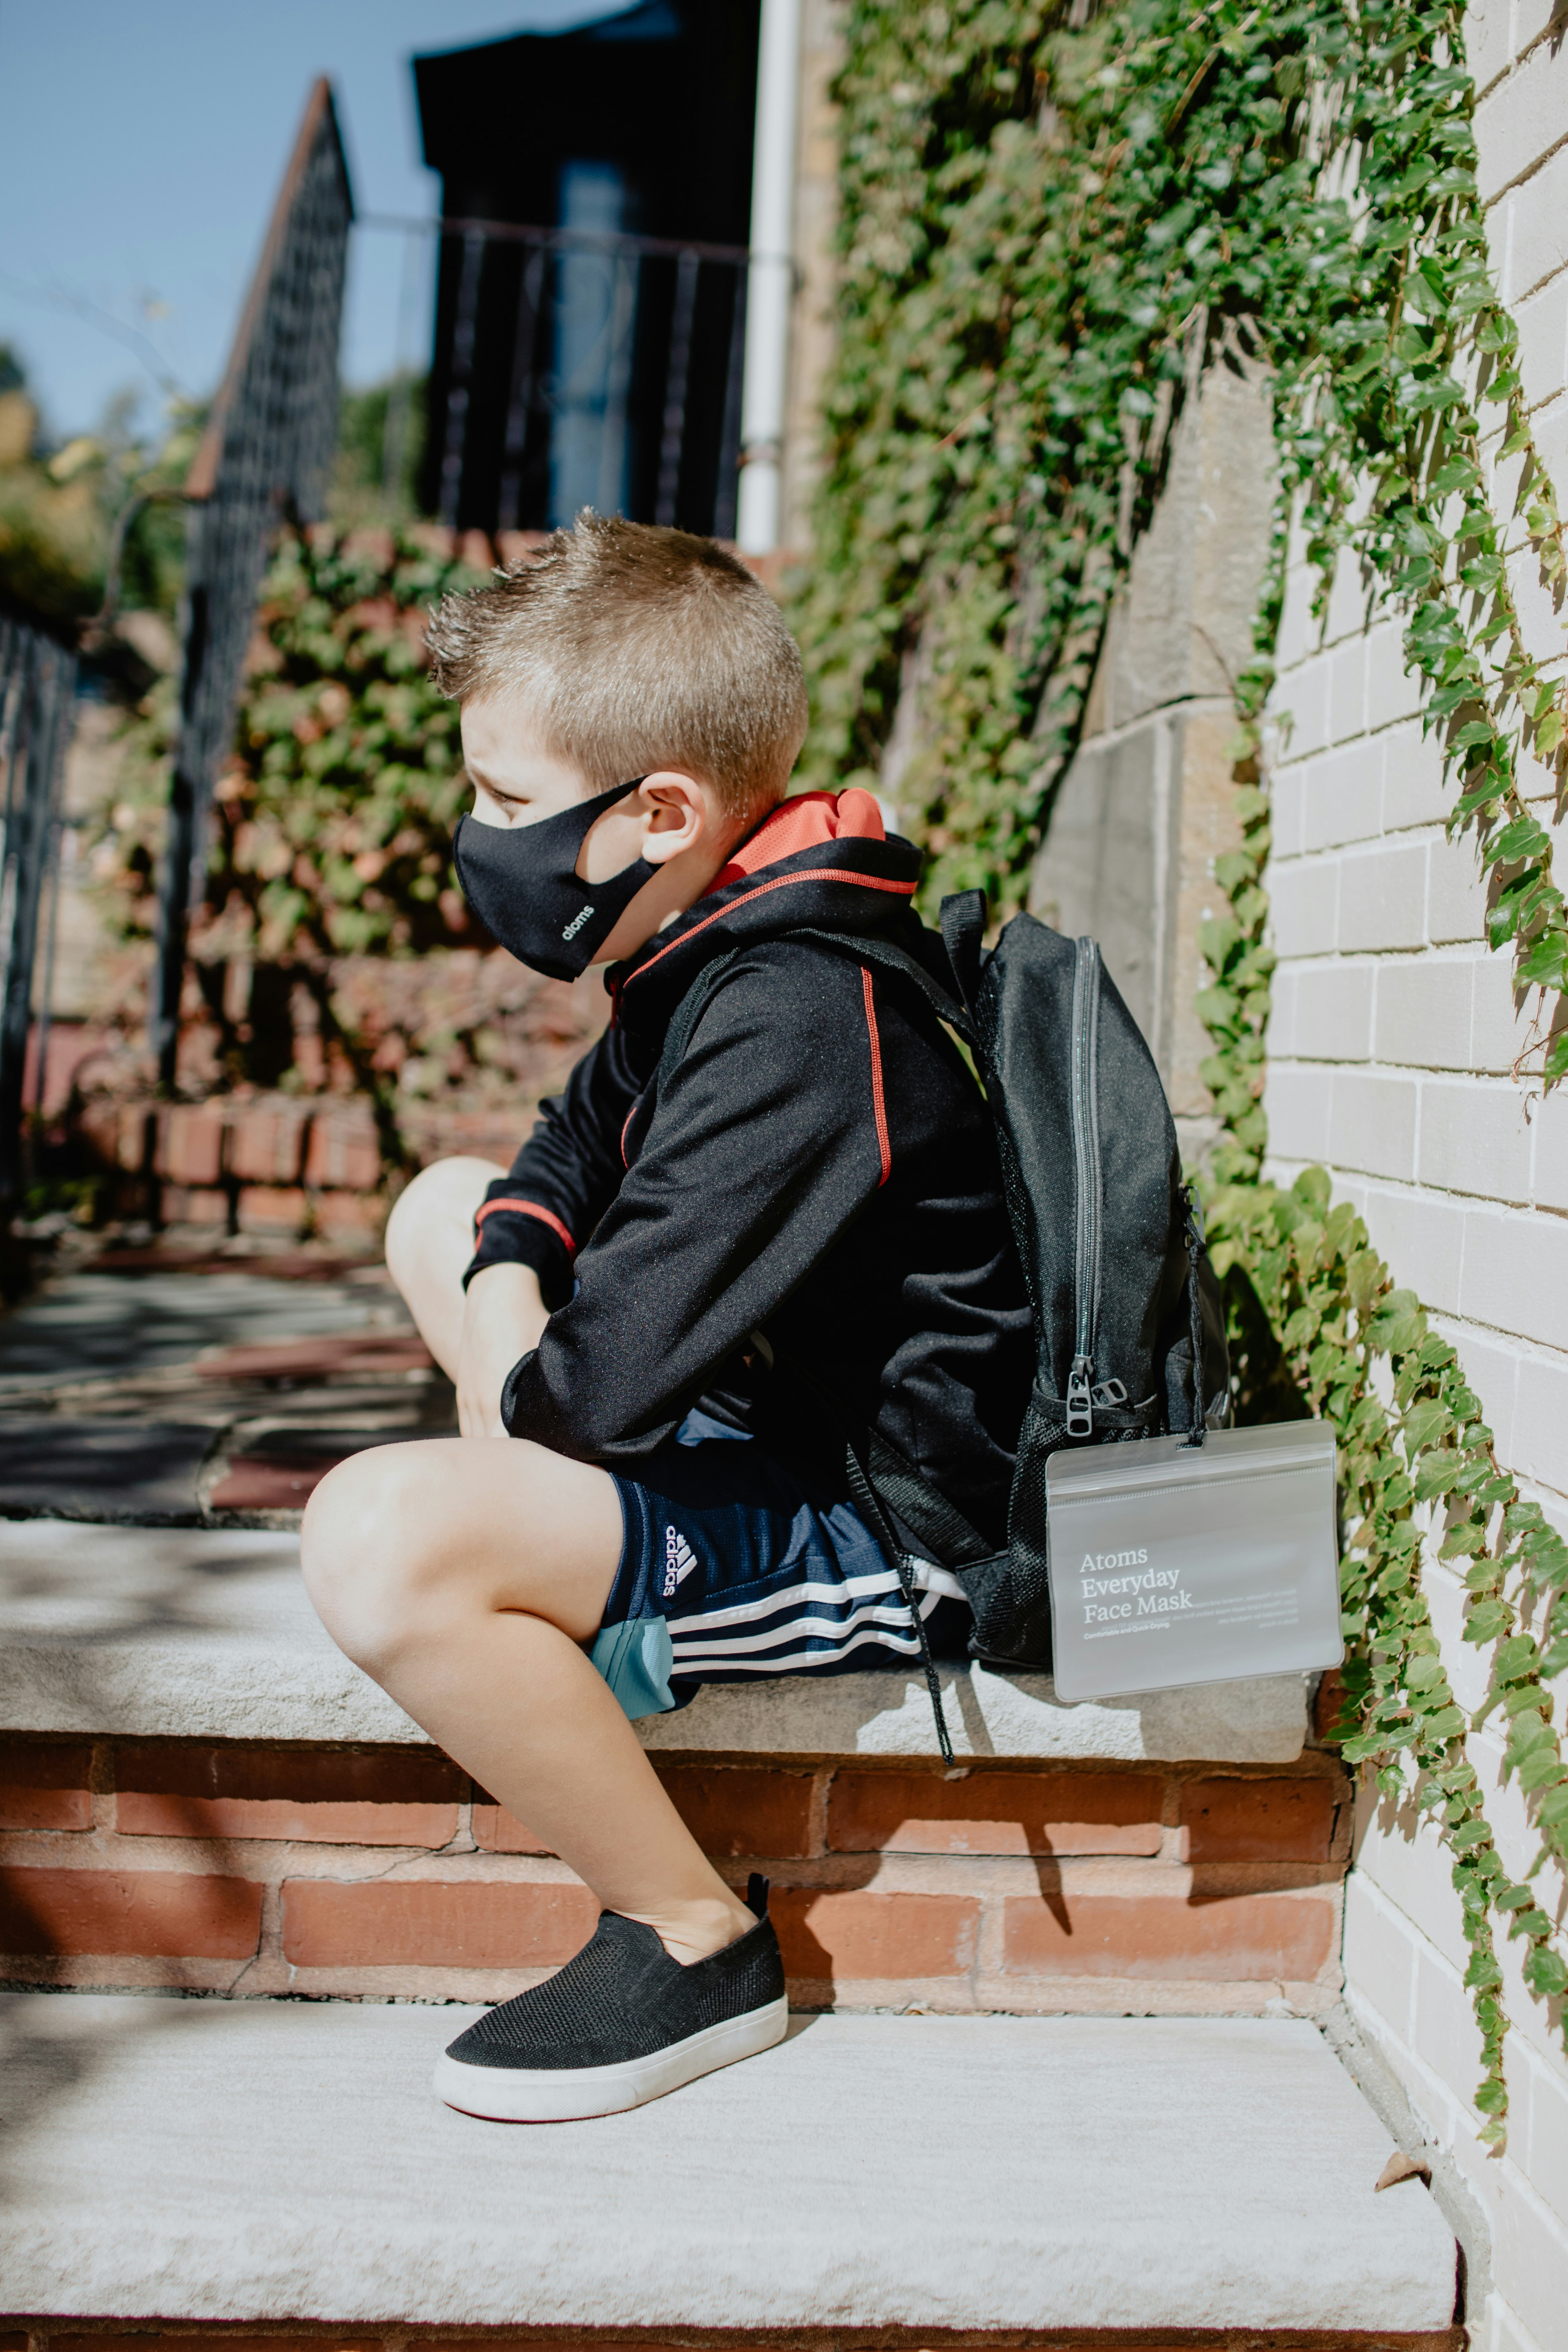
<point x="620" y="2024"/>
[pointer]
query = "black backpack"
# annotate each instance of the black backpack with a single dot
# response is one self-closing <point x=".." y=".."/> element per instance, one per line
<point x="1128" y="1330"/>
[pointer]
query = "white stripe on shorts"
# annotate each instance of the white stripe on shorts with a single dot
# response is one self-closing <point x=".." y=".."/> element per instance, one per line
<point x="710" y="1641"/>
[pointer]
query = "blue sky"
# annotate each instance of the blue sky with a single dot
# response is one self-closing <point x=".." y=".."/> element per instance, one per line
<point x="141" y="150"/>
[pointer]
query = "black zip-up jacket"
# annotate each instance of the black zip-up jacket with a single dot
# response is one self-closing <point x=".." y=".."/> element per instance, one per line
<point x="803" y="1228"/>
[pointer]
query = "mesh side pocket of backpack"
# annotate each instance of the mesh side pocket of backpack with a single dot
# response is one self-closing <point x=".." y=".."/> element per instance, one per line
<point x="1011" y="1595"/>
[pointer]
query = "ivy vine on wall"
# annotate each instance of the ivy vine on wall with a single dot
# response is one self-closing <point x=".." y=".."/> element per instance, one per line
<point x="1046" y="232"/>
<point x="1050" y="228"/>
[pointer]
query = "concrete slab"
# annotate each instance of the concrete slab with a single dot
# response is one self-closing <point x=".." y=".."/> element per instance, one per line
<point x="277" y="1265"/>
<point x="213" y="2161"/>
<point x="280" y="1470"/>
<point x="101" y="1469"/>
<point x="270" y="1482"/>
<point x="374" y="1399"/>
<point x="94" y="1323"/>
<point x="329" y="1356"/>
<point x="173" y="1634"/>
<point x="889" y="1714"/>
<point x="151" y="1632"/>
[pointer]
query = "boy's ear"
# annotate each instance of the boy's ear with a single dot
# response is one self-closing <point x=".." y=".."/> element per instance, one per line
<point x="680" y="815"/>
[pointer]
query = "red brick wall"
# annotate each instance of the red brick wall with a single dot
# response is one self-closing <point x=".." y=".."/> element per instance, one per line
<point x="311" y="1163"/>
<point x="267" y="1869"/>
<point x="268" y="1165"/>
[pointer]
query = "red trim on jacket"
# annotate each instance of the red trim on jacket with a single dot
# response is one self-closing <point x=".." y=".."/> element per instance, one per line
<point x="627" y="1130"/>
<point x="528" y="1209"/>
<point x="879" y="1105"/>
<point x="780" y="882"/>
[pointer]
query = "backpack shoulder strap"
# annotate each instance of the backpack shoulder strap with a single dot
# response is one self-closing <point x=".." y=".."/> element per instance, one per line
<point x="889" y="957"/>
<point x="963" y="920"/>
<point x="927" y="1514"/>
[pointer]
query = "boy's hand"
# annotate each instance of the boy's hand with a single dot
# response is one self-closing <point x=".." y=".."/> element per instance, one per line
<point x="503" y="1315"/>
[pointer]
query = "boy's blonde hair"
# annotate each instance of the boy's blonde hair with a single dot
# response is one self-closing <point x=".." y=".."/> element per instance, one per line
<point x="635" y="648"/>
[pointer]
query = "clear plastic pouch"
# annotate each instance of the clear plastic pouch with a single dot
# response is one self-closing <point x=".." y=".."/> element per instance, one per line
<point x="1173" y="1564"/>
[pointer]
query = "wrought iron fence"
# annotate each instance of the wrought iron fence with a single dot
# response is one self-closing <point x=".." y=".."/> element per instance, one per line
<point x="38" y="694"/>
<point x="266" y="456"/>
<point x="578" y="366"/>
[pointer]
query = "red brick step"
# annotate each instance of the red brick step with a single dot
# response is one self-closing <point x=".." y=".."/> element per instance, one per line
<point x="356" y="1871"/>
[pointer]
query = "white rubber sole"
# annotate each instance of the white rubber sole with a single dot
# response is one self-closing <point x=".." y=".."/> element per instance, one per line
<point x="548" y="2094"/>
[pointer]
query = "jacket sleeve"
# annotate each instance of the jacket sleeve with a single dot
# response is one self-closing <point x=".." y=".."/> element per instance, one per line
<point x="764" y="1146"/>
<point x="543" y="1211"/>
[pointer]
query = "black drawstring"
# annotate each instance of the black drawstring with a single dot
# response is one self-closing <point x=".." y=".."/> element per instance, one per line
<point x="876" y="1519"/>
<point x="1199" y="1430"/>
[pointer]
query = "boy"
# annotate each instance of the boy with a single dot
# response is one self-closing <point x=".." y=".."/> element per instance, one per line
<point x="683" y="1300"/>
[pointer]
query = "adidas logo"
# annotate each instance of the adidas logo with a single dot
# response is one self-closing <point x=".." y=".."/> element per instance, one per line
<point x="680" y="1560"/>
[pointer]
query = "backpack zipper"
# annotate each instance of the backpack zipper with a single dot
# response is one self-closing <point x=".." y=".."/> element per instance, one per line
<point x="1086" y="1168"/>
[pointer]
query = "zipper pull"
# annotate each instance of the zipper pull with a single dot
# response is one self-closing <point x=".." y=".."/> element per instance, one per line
<point x="1081" y="1401"/>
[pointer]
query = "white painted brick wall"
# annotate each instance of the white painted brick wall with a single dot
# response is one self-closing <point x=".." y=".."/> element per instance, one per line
<point x="1333" y="1012"/>
<point x="1383" y="896"/>
<point x="1422" y="1019"/>
<point x="1474" y="1140"/>
<point x="1413" y="792"/>
<point x="1394" y="1034"/>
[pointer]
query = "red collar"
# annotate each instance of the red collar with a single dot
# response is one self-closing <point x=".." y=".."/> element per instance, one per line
<point x="801" y="823"/>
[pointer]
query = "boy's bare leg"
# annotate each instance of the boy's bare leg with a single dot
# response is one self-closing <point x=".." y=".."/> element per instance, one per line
<point x="475" y="1336"/>
<point x="465" y="1577"/>
<point x="430" y="1241"/>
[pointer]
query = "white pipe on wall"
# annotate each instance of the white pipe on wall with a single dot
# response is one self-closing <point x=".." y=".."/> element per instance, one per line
<point x="770" y="279"/>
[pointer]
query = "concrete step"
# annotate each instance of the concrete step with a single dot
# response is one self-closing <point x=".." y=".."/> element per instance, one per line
<point x="198" y="1791"/>
<point x="183" y="1398"/>
<point x="145" y="1472"/>
<point x="224" y="2161"/>
<point x="85" y="1322"/>
<point x="139" y="1473"/>
<point x="168" y="1632"/>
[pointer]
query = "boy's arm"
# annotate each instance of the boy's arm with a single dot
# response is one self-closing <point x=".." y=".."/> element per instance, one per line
<point x="543" y="1210"/>
<point x="764" y="1146"/>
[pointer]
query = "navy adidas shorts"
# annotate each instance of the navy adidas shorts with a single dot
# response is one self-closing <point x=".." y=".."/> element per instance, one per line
<point x="730" y="1571"/>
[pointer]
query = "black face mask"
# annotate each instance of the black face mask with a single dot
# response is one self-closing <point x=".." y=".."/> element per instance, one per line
<point x="521" y="881"/>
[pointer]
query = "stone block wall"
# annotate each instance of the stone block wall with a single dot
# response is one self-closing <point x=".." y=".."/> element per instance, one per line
<point x="1393" y="1038"/>
<point x="811" y="326"/>
<point x="1146" y="806"/>
<point x="372" y="1873"/>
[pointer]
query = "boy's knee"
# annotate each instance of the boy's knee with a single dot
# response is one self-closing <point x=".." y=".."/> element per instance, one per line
<point x="446" y="1193"/>
<point x="368" y="1546"/>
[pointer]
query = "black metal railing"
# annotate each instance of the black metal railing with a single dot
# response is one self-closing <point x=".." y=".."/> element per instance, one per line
<point x="265" y="458"/>
<point x="583" y="367"/>
<point x="37" y="697"/>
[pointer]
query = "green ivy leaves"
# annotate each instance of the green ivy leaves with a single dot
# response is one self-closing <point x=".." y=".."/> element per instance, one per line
<point x="334" y="817"/>
<point x="1323" y="1291"/>
<point x="1328" y="1297"/>
<point x="334" y="834"/>
<point x="1046" y="233"/>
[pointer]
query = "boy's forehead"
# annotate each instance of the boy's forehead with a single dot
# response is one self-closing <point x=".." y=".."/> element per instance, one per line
<point x="501" y="742"/>
<point x="499" y="726"/>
